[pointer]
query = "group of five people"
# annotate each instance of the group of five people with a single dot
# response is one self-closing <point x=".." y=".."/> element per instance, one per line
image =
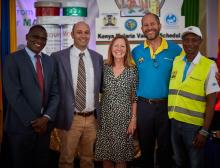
<point x="157" y="90"/>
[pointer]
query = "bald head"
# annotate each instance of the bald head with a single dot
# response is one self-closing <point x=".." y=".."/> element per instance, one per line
<point x="80" y="24"/>
<point x="151" y="26"/>
<point x="157" y="19"/>
<point x="81" y="35"/>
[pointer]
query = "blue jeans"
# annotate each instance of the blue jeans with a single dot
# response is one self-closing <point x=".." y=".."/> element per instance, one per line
<point x="185" y="154"/>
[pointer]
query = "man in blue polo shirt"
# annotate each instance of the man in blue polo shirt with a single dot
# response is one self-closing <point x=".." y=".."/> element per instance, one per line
<point x="154" y="59"/>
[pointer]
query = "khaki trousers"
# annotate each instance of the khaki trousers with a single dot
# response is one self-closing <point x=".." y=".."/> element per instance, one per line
<point x="82" y="136"/>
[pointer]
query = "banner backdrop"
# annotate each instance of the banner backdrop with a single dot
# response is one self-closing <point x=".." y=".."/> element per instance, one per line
<point x="26" y="17"/>
<point x="124" y="17"/>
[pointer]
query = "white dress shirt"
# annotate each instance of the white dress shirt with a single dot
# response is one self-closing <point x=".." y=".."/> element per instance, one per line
<point x="74" y="62"/>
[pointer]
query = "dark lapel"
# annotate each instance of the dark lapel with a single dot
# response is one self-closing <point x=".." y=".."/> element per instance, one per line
<point x="94" y="62"/>
<point x="28" y="62"/>
<point x="45" y="71"/>
<point x="65" y="59"/>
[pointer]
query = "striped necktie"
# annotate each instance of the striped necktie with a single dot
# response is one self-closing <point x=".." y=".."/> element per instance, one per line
<point x="81" y="85"/>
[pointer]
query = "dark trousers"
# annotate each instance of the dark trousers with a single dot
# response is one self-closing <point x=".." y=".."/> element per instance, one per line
<point x="154" y="128"/>
<point x="27" y="150"/>
<point x="212" y="147"/>
<point x="212" y="154"/>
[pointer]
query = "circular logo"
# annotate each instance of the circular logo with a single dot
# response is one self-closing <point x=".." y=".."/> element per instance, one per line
<point x="171" y="19"/>
<point x="131" y="24"/>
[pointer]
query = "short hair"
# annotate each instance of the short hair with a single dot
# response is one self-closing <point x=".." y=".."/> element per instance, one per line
<point x="154" y="15"/>
<point x="127" y="58"/>
<point x="37" y="27"/>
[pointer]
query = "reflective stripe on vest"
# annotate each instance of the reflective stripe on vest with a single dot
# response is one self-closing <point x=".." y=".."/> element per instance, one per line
<point x="186" y="111"/>
<point x="187" y="99"/>
<point x="188" y="95"/>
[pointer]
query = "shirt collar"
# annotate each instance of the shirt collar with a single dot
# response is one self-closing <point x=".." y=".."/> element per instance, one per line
<point x="195" y="60"/>
<point x="78" y="51"/>
<point x="162" y="46"/>
<point x="31" y="53"/>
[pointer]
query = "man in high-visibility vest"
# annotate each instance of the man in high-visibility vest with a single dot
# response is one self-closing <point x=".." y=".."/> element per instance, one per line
<point x="192" y="95"/>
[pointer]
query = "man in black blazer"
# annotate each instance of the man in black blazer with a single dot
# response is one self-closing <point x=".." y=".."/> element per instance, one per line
<point x="31" y="89"/>
<point x="78" y="125"/>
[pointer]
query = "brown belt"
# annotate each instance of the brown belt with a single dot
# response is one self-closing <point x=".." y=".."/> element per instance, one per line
<point x="84" y="114"/>
<point x="152" y="101"/>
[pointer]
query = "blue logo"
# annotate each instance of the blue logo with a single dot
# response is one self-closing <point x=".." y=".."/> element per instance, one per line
<point x="214" y="84"/>
<point x="171" y="19"/>
<point x="131" y="24"/>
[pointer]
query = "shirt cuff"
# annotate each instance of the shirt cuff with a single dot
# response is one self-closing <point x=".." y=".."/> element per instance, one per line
<point x="45" y="115"/>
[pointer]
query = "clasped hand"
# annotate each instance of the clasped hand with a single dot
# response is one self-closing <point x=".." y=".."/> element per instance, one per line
<point x="40" y="124"/>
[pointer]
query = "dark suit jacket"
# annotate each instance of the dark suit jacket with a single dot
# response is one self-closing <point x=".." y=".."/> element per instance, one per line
<point x="67" y="100"/>
<point x="23" y="91"/>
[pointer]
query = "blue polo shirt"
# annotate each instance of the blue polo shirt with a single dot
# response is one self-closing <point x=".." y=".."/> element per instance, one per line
<point x="154" y="69"/>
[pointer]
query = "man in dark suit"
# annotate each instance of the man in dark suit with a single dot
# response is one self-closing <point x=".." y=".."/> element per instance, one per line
<point x="31" y="89"/>
<point x="78" y="124"/>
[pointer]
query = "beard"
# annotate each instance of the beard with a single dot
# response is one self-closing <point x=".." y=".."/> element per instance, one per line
<point x="152" y="36"/>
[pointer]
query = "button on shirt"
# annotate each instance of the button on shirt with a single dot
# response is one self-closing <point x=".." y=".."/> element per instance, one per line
<point x="74" y="62"/>
<point x="211" y="84"/>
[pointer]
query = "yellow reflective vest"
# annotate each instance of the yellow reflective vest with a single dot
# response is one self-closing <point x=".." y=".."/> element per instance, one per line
<point x="187" y="99"/>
